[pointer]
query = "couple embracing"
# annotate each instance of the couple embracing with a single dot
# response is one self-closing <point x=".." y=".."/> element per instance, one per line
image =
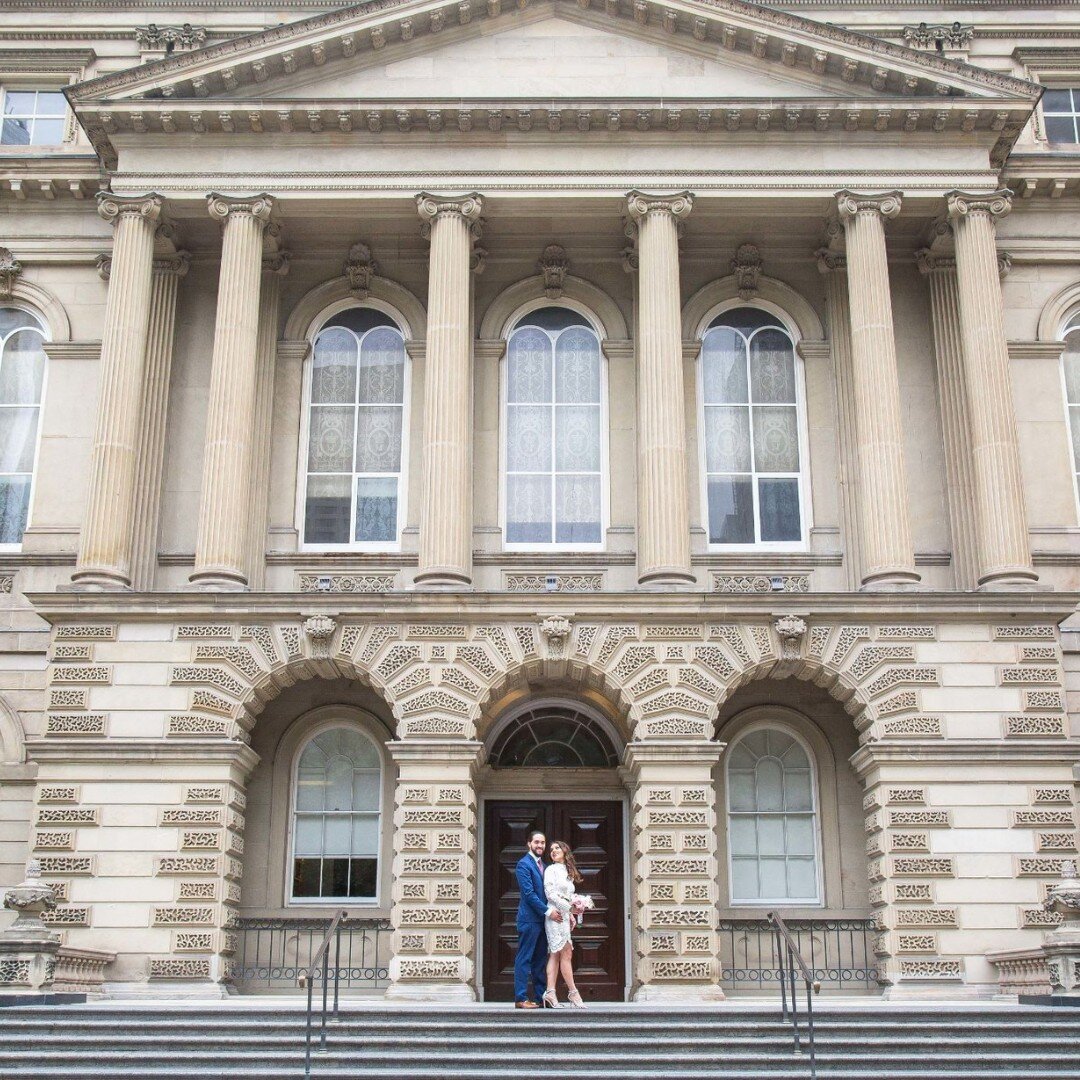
<point x="549" y="910"/>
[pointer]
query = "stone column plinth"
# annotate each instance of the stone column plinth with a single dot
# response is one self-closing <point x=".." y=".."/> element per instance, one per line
<point x="1004" y="555"/>
<point x="105" y="545"/>
<point x="675" y="873"/>
<point x="28" y="947"/>
<point x="445" y="552"/>
<point x="663" y="529"/>
<point x="888" y="557"/>
<point x="222" y="550"/>
<point x="435" y="870"/>
<point x="940" y="272"/>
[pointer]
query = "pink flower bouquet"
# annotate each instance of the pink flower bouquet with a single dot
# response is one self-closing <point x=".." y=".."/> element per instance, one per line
<point x="579" y="904"/>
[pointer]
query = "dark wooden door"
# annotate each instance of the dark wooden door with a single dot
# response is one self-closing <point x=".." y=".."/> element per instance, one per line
<point x="594" y="832"/>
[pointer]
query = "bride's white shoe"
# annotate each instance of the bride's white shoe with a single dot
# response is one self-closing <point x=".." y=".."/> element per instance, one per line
<point x="575" y="1000"/>
<point x="549" y="1000"/>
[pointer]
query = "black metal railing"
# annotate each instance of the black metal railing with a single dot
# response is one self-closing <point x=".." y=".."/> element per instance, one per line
<point x="320" y="969"/>
<point x="791" y="960"/>
<point x="838" y="952"/>
<point x="271" y="954"/>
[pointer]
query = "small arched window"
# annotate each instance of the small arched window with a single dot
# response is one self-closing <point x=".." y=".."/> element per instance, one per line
<point x="356" y="433"/>
<point x="553" y="736"/>
<point x="22" y="384"/>
<point x="1070" y="360"/>
<point x="772" y="820"/>
<point x="337" y="802"/>
<point x="752" y="431"/>
<point x="554" y="450"/>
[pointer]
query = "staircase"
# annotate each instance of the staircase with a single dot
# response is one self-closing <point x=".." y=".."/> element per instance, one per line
<point x="252" y="1039"/>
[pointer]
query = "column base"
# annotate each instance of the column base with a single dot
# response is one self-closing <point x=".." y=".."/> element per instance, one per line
<point x="892" y="581"/>
<point x="445" y="580"/>
<point x="1010" y="581"/>
<point x="449" y="993"/>
<point x="100" y="581"/>
<point x="678" y="994"/>
<point x="217" y="581"/>
<point x="667" y="577"/>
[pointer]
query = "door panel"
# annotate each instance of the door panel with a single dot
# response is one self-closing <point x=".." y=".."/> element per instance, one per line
<point x="594" y="832"/>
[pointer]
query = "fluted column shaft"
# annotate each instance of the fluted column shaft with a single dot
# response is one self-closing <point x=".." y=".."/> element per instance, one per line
<point x="445" y="550"/>
<point x="663" y="503"/>
<point x="888" y="559"/>
<point x="1004" y="554"/>
<point x="223" y="548"/>
<point x="105" y="547"/>
<point x="940" y="271"/>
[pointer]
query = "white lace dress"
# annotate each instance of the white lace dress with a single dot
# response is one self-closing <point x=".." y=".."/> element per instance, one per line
<point x="559" y="890"/>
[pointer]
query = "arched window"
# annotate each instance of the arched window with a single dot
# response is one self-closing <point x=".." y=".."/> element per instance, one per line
<point x="554" y="449"/>
<point x="336" y="817"/>
<point x="553" y="736"/>
<point x="1070" y="360"/>
<point x="356" y="433"/>
<point x="22" y="383"/>
<point x="752" y="401"/>
<point x="772" y="820"/>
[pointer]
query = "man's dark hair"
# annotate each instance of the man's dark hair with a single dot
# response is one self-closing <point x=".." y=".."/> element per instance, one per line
<point x="535" y="833"/>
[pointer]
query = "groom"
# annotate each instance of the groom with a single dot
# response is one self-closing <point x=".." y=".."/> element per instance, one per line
<point x="532" y="952"/>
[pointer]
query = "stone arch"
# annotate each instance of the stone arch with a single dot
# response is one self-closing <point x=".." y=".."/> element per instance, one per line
<point x="12" y="739"/>
<point x="42" y="303"/>
<point x="1056" y="310"/>
<point x="385" y="295"/>
<point x="528" y="294"/>
<point x="773" y="295"/>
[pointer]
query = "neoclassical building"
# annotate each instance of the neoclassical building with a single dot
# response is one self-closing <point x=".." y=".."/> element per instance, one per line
<point x="652" y="421"/>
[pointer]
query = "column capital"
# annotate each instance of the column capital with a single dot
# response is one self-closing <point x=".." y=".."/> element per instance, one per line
<point x="222" y="206"/>
<point x="932" y="262"/>
<point x="172" y="265"/>
<point x="830" y="262"/>
<point x="469" y="206"/>
<point x="885" y="203"/>
<point x="995" y="204"/>
<point x="277" y="262"/>
<point x="113" y="207"/>
<point x="678" y="205"/>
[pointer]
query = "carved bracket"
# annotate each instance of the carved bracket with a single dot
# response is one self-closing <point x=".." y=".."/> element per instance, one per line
<point x="10" y="269"/>
<point x="360" y="267"/>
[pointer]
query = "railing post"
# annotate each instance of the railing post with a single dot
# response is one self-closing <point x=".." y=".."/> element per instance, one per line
<point x="307" y="1037"/>
<point x="337" y="971"/>
<point x="780" y="973"/>
<point x="810" y="1028"/>
<point x="794" y="1004"/>
<point x="325" y="989"/>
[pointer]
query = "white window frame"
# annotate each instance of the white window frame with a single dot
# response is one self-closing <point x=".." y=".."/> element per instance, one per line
<point x="294" y="778"/>
<point x="520" y="318"/>
<point x="44" y="328"/>
<point x="377" y="546"/>
<point x="1060" y="84"/>
<point x="1069" y="323"/>
<point x="805" y="503"/>
<point x="30" y="85"/>
<point x="818" y="899"/>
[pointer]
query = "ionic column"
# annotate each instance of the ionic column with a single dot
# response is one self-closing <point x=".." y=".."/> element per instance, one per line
<point x="105" y="547"/>
<point x="940" y="272"/>
<point x="1004" y="554"/>
<point x="663" y="503"/>
<point x="888" y="557"/>
<point x="445" y="555"/>
<point x="222" y="550"/>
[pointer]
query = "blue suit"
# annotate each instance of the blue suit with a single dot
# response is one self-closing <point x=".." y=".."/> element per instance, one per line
<point x="532" y="952"/>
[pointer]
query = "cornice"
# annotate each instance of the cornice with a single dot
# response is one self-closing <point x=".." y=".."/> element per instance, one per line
<point x="973" y="752"/>
<point x="73" y="350"/>
<point x="68" y="61"/>
<point x="83" y="750"/>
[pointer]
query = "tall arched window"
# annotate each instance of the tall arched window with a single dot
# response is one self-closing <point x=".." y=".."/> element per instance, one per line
<point x="337" y="799"/>
<point x="554" y="448"/>
<point x="1070" y="360"/>
<point x="22" y="383"/>
<point x="772" y="819"/>
<point x="752" y="427"/>
<point x="356" y="433"/>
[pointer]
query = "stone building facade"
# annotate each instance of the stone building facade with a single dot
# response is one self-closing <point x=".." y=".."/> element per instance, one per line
<point x="422" y="420"/>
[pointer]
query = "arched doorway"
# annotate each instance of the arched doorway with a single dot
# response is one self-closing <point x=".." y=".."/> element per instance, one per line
<point x="553" y="766"/>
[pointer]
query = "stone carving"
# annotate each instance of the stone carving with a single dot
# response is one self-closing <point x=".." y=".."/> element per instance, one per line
<point x="759" y="583"/>
<point x="1044" y="700"/>
<point x="169" y="38"/>
<point x="75" y="724"/>
<point x="347" y="583"/>
<point x="553" y="266"/>
<point x="930" y="969"/>
<point x="912" y="866"/>
<point x="1051" y="795"/>
<point x="204" y="630"/>
<point x="791" y="630"/>
<point x="929" y="916"/>
<point x="1052" y="727"/>
<point x="1034" y="818"/>
<point x="319" y="630"/>
<point x="67" y="698"/>
<point x="10" y="269"/>
<point x="746" y="267"/>
<point x="921" y="633"/>
<point x="563" y="582"/>
<point x="1010" y="676"/>
<point x="168" y="865"/>
<point x="939" y="36"/>
<point x="360" y="267"/>
<point x="1011" y="632"/>
<point x="555" y="630"/>
<point x="28" y="900"/>
<point x="913" y="727"/>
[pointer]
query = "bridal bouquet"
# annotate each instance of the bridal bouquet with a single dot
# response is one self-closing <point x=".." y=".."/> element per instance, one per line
<point x="579" y="904"/>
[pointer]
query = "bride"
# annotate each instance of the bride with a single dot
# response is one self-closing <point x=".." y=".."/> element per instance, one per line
<point x="560" y="877"/>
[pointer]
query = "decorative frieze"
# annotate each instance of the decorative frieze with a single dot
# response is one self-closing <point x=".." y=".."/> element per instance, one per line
<point x="66" y="724"/>
<point x="759" y="583"/>
<point x="1020" y="632"/>
<point x="58" y="793"/>
<point x="555" y="582"/>
<point x="931" y="969"/>
<point x="173" y="967"/>
<point x="1037" y="727"/>
<point x="929" y="866"/>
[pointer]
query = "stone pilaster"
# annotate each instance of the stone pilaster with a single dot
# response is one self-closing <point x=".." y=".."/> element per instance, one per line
<point x="445" y="556"/>
<point x="105" y="548"/>
<point x="888" y="558"/>
<point x="675" y="869"/>
<point x="663" y="503"/>
<point x="223" y="548"/>
<point x="940" y="272"/>
<point x="435" y="870"/>
<point x="150" y="455"/>
<point x="1004" y="555"/>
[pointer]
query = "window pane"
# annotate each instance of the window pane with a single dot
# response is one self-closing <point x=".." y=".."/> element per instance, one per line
<point x="376" y="509"/>
<point x="776" y="440"/>
<point x="772" y="874"/>
<point x="528" y="438"/>
<point x="310" y="788"/>
<point x="577" y="366"/>
<point x="1071" y="361"/>
<point x="731" y="510"/>
<point x="19" y="103"/>
<point x="528" y="510"/>
<point x="22" y="368"/>
<point x="365" y="835"/>
<point x="18" y="439"/>
<point x="15" y="133"/>
<point x="382" y="367"/>
<point x="366" y="790"/>
<point x="1056" y="101"/>
<point x="577" y="509"/>
<point x="1059" y="129"/>
<point x="797" y="794"/>
<point x="772" y="368"/>
<point x="309" y="834"/>
<point x="333" y="367"/>
<point x="577" y="438"/>
<point x="14" y="318"/>
<point x="779" y="504"/>
<point x="801" y="878"/>
<point x="326" y="512"/>
<point x="769" y="778"/>
<point x="338" y="833"/>
<point x="724" y="366"/>
<point x="335" y="880"/>
<point x="363" y="877"/>
<point x="339" y="775"/>
<point x="306" y="877"/>
<point x="378" y="438"/>
<point x="727" y="438"/>
<point x="742" y="835"/>
<point x="770" y="833"/>
<point x="48" y="132"/>
<point x="530" y="358"/>
<point x="744" y="879"/>
<point x="51" y="103"/>
<point x="800" y="835"/>
<point x="330" y="443"/>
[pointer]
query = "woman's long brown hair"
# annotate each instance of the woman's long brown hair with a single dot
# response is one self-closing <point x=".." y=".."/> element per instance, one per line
<point x="568" y="859"/>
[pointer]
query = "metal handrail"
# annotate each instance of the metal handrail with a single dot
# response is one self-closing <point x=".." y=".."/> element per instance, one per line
<point x="788" y="958"/>
<point x="307" y="979"/>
